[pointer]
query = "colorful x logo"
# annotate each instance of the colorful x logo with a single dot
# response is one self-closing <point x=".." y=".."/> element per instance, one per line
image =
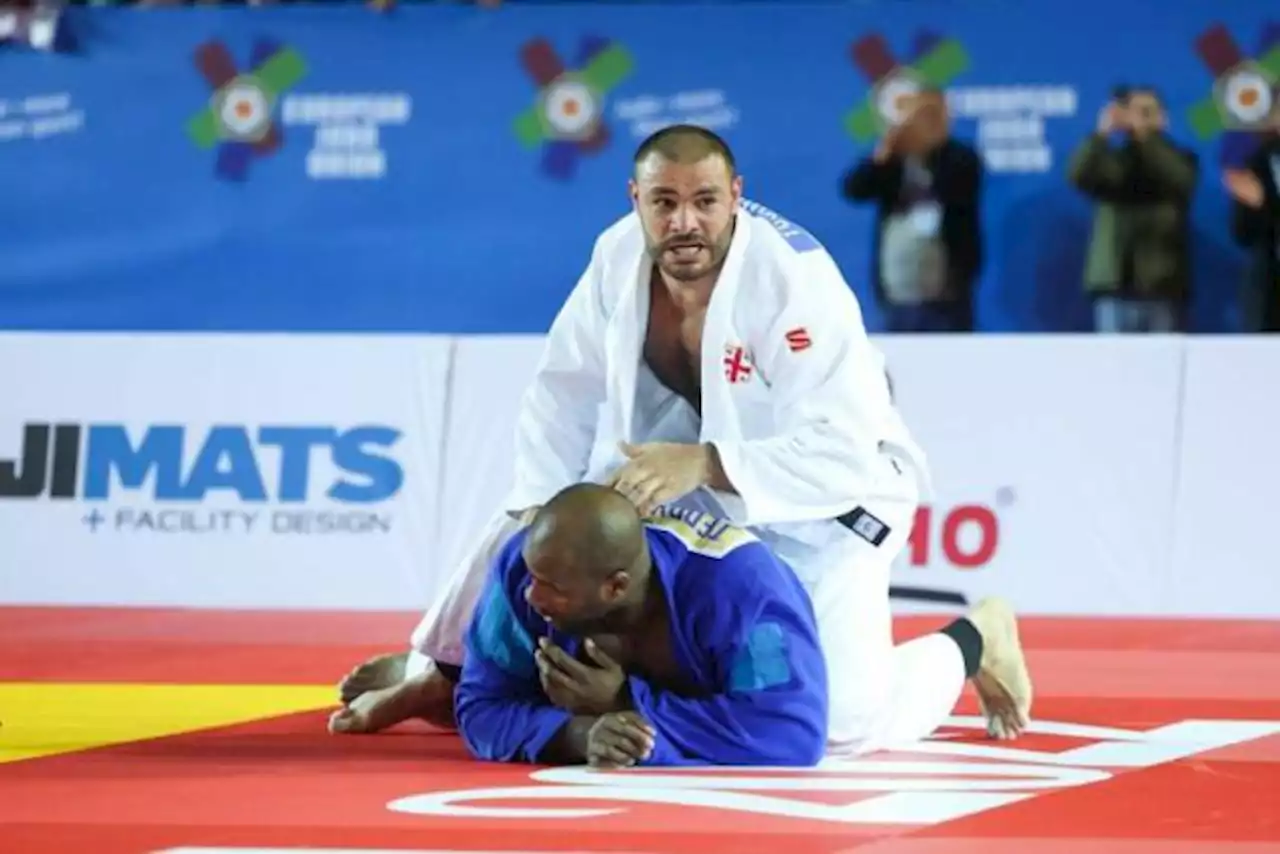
<point x="1245" y="90"/>
<point x="567" y="119"/>
<point x="935" y="61"/>
<point x="239" y="118"/>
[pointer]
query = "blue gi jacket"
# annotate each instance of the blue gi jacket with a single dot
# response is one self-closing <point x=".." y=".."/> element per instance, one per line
<point x="743" y="633"/>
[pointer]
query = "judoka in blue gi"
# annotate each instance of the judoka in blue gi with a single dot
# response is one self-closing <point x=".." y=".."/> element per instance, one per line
<point x="604" y="639"/>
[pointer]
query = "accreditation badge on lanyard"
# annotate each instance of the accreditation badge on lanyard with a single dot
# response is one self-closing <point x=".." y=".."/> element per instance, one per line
<point x="926" y="218"/>
<point x="925" y="213"/>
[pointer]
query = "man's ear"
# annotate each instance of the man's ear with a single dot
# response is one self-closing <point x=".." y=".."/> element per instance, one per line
<point x="617" y="584"/>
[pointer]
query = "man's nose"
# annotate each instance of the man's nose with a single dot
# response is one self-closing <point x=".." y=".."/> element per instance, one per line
<point x="684" y="221"/>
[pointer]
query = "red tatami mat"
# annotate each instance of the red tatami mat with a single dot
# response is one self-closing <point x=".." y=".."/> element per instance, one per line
<point x="1155" y="737"/>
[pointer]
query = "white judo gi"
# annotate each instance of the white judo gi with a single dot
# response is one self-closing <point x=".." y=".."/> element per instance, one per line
<point x="796" y="401"/>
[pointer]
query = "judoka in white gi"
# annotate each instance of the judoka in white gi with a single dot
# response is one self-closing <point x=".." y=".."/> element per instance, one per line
<point x="713" y="356"/>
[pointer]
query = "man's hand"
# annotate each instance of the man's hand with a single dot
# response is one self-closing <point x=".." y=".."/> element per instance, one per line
<point x="888" y="145"/>
<point x="619" y="740"/>
<point x="1244" y="187"/>
<point x="659" y="472"/>
<point x="577" y="687"/>
<point x="1112" y="117"/>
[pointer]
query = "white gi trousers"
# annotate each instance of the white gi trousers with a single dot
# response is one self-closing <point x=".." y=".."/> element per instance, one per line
<point x="881" y="696"/>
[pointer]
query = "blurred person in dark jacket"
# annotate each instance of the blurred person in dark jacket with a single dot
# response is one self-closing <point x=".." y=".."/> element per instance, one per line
<point x="927" y="248"/>
<point x="1255" y="224"/>
<point x="1138" y="268"/>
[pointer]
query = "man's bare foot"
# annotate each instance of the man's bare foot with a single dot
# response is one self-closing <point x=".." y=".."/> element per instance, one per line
<point x="427" y="695"/>
<point x="1002" y="682"/>
<point x="376" y="710"/>
<point x="379" y="672"/>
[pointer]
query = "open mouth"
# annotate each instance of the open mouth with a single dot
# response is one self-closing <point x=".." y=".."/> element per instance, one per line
<point x="552" y="620"/>
<point x="685" y="250"/>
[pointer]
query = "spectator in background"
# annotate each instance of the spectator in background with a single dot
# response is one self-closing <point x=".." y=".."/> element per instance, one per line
<point x="1255" y="223"/>
<point x="928" y="237"/>
<point x="34" y="24"/>
<point x="1138" y="268"/>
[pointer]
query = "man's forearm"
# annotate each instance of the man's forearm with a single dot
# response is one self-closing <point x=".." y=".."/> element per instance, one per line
<point x="1093" y="166"/>
<point x="569" y="745"/>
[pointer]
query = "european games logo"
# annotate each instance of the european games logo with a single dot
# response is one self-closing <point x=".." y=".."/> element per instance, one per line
<point x="567" y="118"/>
<point x="240" y="119"/>
<point x="934" y="62"/>
<point x="1245" y="91"/>
<point x="1010" y="118"/>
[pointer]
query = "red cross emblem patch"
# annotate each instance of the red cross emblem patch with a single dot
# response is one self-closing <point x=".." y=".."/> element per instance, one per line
<point x="737" y="364"/>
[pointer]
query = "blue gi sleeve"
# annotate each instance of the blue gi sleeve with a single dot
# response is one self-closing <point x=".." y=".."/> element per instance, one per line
<point x="502" y="713"/>
<point x="770" y="706"/>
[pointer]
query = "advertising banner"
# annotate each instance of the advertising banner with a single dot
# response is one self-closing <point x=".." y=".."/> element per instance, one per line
<point x="1074" y="476"/>
<point x="219" y="471"/>
<point x="1223" y="546"/>
<point x="1053" y="466"/>
<point x="326" y="127"/>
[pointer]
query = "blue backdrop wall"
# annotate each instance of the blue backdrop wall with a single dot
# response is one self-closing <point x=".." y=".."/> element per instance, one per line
<point x="332" y="169"/>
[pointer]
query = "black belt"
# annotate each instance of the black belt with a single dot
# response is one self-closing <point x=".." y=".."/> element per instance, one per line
<point x="870" y="528"/>
<point x="861" y="522"/>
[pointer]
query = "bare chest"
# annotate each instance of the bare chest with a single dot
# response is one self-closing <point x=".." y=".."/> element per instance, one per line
<point x="673" y="348"/>
<point x="647" y="655"/>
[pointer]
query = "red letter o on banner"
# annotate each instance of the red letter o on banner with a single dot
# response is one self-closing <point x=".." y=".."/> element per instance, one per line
<point x="988" y="540"/>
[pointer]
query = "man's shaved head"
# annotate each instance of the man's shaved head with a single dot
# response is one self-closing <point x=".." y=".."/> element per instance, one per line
<point x="686" y="189"/>
<point x="589" y="527"/>
<point x="686" y="145"/>
<point x="585" y="551"/>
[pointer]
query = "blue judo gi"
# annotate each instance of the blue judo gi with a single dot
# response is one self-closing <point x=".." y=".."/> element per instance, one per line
<point x="743" y="632"/>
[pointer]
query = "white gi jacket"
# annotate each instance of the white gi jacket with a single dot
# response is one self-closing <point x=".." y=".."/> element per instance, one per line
<point x="794" y="394"/>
